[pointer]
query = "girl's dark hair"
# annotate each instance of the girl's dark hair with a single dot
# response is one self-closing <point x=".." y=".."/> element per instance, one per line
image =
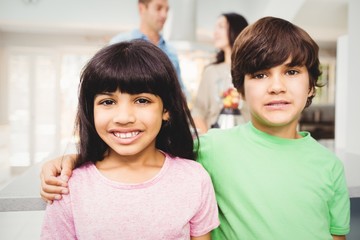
<point x="236" y="24"/>
<point x="269" y="42"/>
<point x="133" y="67"/>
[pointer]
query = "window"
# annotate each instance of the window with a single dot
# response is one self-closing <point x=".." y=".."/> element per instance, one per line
<point x="42" y="100"/>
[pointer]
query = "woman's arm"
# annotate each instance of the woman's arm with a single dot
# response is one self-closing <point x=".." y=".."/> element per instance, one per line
<point x="200" y="125"/>
<point x="52" y="187"/>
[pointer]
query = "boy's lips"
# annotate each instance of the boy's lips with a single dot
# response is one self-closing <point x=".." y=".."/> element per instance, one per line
<point x="277" y="103"/>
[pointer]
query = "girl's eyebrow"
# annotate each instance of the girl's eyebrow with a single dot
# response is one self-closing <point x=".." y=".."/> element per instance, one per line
<point x="105" y="93"/>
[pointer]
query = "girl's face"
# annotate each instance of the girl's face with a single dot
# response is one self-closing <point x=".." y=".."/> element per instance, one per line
<point x="129" y="124"/>
<point x="276" y="97"/>
<point x="221" y="39"/>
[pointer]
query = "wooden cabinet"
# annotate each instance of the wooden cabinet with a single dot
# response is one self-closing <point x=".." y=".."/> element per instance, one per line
<point x="319" y="120"/>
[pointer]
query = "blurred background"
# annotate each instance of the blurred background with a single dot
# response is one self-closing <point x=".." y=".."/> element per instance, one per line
<point x="45" y="43"/>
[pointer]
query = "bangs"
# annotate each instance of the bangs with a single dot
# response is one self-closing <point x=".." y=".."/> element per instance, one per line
<point x="129" y="71"/>
<point x="128" y="80"/>
<point x="282" y="43"/>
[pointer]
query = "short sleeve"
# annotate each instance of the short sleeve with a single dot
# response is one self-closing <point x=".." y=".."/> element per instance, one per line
<point x="339" y="205"/>
<point x="58" y="221"/>
<point x="206" y="219"/>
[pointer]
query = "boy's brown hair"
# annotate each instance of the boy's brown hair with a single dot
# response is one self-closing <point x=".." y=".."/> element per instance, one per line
<point x="269" y="42"/>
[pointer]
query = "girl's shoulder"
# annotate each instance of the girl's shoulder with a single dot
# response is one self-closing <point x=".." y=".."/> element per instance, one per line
<point x="85" y="171"/>
<point x="187" y="166"/>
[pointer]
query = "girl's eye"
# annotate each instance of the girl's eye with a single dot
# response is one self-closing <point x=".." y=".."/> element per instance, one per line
<point x="142" y="101"/>
<point x="107" y="102"/>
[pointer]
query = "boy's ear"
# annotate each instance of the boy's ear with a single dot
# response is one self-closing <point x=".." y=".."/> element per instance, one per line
<point x="311" y="92"/>
<point x="242" y="96"/>
<point x="166" y="115"/>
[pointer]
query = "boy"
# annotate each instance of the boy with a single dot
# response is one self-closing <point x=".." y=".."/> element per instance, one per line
<point x="271" y="182"/>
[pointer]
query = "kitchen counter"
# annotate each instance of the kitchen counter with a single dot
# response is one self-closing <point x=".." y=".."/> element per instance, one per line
<point x="23" y="193"/>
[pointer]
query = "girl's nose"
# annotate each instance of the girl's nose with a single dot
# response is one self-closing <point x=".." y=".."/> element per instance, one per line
<point x="124" y="114"/>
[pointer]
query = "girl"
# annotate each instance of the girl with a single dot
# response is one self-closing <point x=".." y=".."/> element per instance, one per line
<point x="216" y="78"/>
<point x="134" y="179"/>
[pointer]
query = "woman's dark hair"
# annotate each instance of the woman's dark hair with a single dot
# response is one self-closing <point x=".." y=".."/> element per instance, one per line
<point x="269" y="42"/>
<point x="236" y="24"/>
<point x="133" y="67"/>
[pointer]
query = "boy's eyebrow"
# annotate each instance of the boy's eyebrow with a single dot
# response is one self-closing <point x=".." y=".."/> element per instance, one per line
<point x="291" y="64"/>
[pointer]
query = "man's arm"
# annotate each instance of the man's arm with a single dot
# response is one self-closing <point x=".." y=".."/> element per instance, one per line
<point x="53" y="186"/>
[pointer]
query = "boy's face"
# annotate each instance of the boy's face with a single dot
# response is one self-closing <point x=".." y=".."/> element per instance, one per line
<point x="276" y="98"/>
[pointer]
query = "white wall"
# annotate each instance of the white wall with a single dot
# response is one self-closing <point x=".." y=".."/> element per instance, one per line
<point x="325" y="20"/>
<point x="353" y="96"/>
<point x="342" y="76"/>
<point x="69" y="15"/>
<point x="347" y="122"/>
<point x="348" y="86"/>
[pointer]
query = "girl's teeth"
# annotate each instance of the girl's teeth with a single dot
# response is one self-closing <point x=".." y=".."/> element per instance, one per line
<point x="126" y="135"/>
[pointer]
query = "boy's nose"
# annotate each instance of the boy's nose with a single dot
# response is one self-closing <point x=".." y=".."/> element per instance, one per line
<point x="277" y="84"/>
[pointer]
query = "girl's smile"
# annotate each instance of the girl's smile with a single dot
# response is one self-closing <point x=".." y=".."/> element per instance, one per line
<point x="127" y="137"/>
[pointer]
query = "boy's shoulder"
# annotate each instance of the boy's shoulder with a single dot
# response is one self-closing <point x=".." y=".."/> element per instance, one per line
<point x="319" y="149"/>
<point x="217" y="133"/>
<point x="216" y="141"/>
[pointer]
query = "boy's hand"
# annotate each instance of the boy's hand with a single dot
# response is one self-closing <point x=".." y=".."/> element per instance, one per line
<point x="53" y="186"/>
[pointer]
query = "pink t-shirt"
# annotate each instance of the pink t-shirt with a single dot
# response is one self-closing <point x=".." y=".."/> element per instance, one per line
<point x="177" y="203"/>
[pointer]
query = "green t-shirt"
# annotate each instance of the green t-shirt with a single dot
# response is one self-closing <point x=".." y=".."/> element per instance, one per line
<point x="274" y="188"/>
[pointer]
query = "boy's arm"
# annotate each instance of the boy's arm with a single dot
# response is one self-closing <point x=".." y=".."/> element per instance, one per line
<point x="203" y="237"/>
<point x="51" y="186"/>
<point x="338" y="237"/>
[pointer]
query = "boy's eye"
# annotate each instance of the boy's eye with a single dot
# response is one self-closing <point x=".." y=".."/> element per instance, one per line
<point x="292" y="72"/>
<point x="259" y="76"/>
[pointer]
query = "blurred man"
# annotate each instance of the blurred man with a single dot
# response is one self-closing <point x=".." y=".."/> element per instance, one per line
<point x="153" y="15"/>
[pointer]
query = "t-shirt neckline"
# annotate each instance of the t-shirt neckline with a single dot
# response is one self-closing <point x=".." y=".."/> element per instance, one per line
<point x="129" y="186"/>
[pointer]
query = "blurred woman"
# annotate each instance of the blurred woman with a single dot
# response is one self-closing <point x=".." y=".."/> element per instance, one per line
<point x="216" y="78"/>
